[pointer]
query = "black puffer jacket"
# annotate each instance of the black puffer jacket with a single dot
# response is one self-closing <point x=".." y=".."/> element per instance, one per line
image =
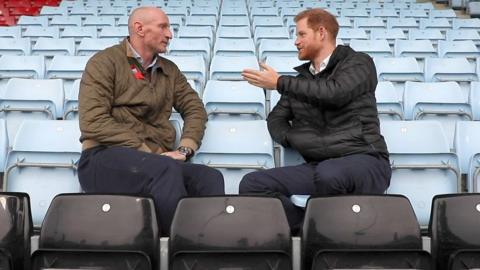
<point x="330" y="114"/>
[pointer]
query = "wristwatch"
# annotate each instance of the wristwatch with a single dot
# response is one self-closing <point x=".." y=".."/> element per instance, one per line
<point x="186" y="151"/>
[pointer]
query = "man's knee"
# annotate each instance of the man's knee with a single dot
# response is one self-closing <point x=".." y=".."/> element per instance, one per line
<point x="330" y="182"/>
<point x="250" y="183"/>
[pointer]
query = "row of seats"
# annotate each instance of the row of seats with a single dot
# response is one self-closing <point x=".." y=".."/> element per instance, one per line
<point x="42" y="160"/>
<point x="121" y="231"/>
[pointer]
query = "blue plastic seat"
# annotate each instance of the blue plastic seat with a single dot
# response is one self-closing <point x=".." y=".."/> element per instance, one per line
<point x="234" y="20"/>
<point x="466" y="23"/>
<point x="231" y="100"/>
<point x="196" y="32"/>
<point x="463" y="34"/>
<point x="398" y="69"/>
<point x="276" y="47"/>
<point x="54" y="46"/>
<point x="414" y="48"/>
<point x="374" y="48"/>
<point x="113" y="32"/>
<point x="264" y="32"/>
<point x="114" y="11"/>
<point x="202" y="20"/>
<point x="224" y="31"/>
<point x="284" y="64"/>
<point x="19" y="66"/>
<point x="62" y="21"/>
<point x="389" y="105"/>
<point x="25" y="20"/>
<point x="422" y="163"/>
<point x="384" y="13"/>
<point x="459" y="48"/>
<point x="406" y="24"/>
<point x="10" y="32"/>
<point x="35" y="32"/>
<point x="43" y="162"/>
<point x="346" y="34"/>
<point x="190" y="46"/>
<point x="234" y="47"/>
<point x="3" y="144"/>
<point x="369" y="23"/>
<point x="67" y="67"/>
<point x="70" y="105"/>
<point x="229" y="68"/>
<point x="354" y="12"/>
<point x="236" y="148"/>
<point x="467" y="146"/>
<point x="413" y="13"/>
<point x="449" y="69"/>
<point x="391" y="35"/>
<point x="443" y="13"/>
<point x="90" y="46"/>
<point x="78" y="33"/>
<point x="14" y="46"/>
<point x="433" y="35"/>
<point x="441" y="24"/>
<point x="267" y="21"/>
<point x="192" y="66"/>
<point x="441" y="101"/>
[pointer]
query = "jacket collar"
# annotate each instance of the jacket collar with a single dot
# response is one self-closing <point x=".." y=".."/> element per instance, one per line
<point x="337" y="55"/>
<point x="132" y="55"/>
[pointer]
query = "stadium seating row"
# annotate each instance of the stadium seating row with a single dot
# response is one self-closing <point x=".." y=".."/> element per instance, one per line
<point x="121" y="231"/>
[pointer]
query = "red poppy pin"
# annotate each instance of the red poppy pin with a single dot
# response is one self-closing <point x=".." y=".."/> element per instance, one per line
<point x="137" y="73"/>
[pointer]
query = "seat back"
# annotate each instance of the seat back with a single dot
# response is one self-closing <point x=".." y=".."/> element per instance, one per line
<point x="358" y="222"/>
<point x="454" y="226"/>
<point x="230" y="232"/>
<point x="15" y="228"/>
<point x="102" y="223"/>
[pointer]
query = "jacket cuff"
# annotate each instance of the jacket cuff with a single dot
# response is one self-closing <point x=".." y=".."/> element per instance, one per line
<point x="281" y="85"/>
<point x="187" y="142"/>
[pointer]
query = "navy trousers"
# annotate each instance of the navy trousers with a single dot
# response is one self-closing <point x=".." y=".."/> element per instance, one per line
<point x="123" y="170"/>
<point x="354" y="174"/>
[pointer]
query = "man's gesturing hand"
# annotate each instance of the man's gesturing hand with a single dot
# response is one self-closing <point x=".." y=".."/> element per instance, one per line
<point x="265" y="78"/>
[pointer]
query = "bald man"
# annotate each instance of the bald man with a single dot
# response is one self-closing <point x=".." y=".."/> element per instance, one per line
<point x="126" y="97"/>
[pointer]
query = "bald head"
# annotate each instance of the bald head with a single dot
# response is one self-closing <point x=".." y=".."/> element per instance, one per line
<point x="143" y="16"/>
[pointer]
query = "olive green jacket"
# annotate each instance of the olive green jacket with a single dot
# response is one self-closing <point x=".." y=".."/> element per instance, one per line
<point x="119" y="106"/>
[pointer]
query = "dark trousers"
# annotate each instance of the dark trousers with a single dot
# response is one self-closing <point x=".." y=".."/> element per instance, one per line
<point x="354" y="174"/>
<point x="123" y="170"/>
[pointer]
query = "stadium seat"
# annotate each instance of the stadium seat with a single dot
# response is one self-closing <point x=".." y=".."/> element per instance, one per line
<point x="463" y="34"/>
<point x="24" y="21"/>
<point x="267" y="21"/>
<point x="466" y="23"/>
<point x="35" y="32"/>
<point x="467" y="146"/>
<point x="474" y="98"/>
<point x="266" y="11"/>
<point x="224" y="31"/>
<point x="234" y="20"/>
<point x="190" y="46"/>
<point x="63" y="20"/>
<point x="90" y="46"/>
<point x="369" y="23"/>
<point x="459" y="48"/>
<point x="15" y="230"/>
<point x="51" y="11"/>
<point x="449" y="69"/>
<point x="3" y="144"/>
<point x="30" y="99"/>
<point x="70" y="104"/>
<point x="236" y="148"/>
<point x="176" y="11"/>
<point x="384" y="13"/>
<point x="433" y="35"/>
<point x="443" y="13"/>
<point x="78" y="33"/>
<point x="229" y="68"/>
<point x="441" y="24"/>
<point x="50" y="47"/>
<point x="343" y="22"/>
<point x="99" y="21"/>
<point x="276" y="47"/>
<point x="389" y="34"/>
<point x="99" y="231"/>
<point x="14" y="46"/>
<point x="204" y="11"/>
<point x="455" y="241"/>
<point x="129" y="4"/>
<point x="264" y="32"/>
<point x="43" y="162"/>
<point x="196" y="32"/>
<point x="20" y="66"/>
<point x="406" y="24"/>
<point x="10" y="32"/>
<point x="441" y="101"/>
<point x="284" y="65"/>
<point x="420" y="49"/>
<point x="389" y="105"/>
<point x="362" y="232"/>
<point x="254" y="234"/>
<point x="422" y="163"/>
<point x="233" y="100"/>
<point x="113" y="32"/>
<point x="346" y="34"/>
<point x="67" y="67"/>
<point x="192" y="66"/>
<point x="114" y="11"/>
<point x="398" y="69"/>
<point x="202" y="20"/>
<point x="373" y="47"/>
<point x="83" y="11"/>
<point x="416" y="14"/>
<point x="234" y="47"/>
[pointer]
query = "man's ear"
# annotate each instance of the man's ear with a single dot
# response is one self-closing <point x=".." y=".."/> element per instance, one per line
<point x="138" y="27"/>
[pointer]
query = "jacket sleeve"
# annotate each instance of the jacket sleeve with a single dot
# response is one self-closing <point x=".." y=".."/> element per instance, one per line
<point x="190" y="106"/>
<point x="278" y="121"/>
<point x="336" y="90"/>
<point x="96" y="98"/>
